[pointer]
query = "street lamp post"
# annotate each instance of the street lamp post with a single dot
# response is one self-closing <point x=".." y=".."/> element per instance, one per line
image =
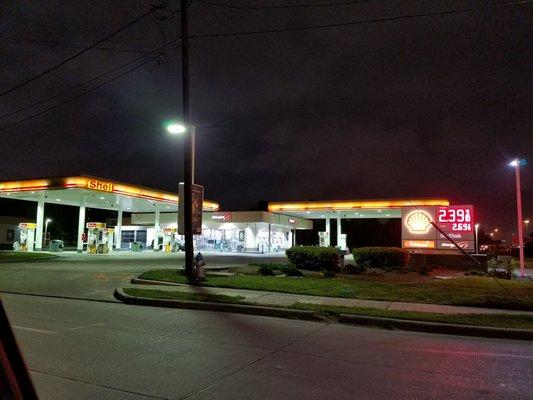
<point x="526" y="221"/>
<point x="48" y="220"/>
<point x="190" y="140"/>
<point x="476" y="238"/>
<point x="516" y="164"/>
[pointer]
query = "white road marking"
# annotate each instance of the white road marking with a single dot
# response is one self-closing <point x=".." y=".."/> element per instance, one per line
<point x="81" y="327"/>
<point x="24" y="328"/>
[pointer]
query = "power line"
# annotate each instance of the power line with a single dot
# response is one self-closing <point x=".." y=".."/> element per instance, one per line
<point x="64" y="45"/>
<point x="80" y="52"/>
<point x="157" y="50"/>
<point x="79" y="95"/>
<point x="359" y="22"/>
<point x="283" y="6"/>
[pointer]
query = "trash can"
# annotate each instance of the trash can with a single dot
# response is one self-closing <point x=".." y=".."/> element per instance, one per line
<point x="136" y="246"/>
<point x="342" y="254"/>
<point x="55" y="246"/>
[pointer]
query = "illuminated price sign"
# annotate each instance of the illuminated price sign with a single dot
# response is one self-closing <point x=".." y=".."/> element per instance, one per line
<point x="455" y="219"/>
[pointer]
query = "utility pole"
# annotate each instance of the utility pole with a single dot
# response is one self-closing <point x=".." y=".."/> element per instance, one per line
<point x="188" y="141"/>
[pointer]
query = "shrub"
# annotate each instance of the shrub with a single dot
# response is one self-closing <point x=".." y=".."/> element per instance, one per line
<point x="500" y="269"/>
<point x="270" y="269"/>
<point x="328" y="273"/>
<point x="291" y="270"/>
<point x="355" y="269"/>
<point x="383" y="257"/>
<point x="266" y="270"/>
<point x="314" y="258"/>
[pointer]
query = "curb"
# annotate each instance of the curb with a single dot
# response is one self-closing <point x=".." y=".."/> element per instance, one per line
<point x="138" y="281"/>
<point x="437" y="327"/>
<point x="350" y="319"/>
<point x="222" y="307"/>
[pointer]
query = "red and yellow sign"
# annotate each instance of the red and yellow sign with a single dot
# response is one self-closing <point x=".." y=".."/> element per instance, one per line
<point x="28" y="225"/>
<point x="419" y="244"/>
<point x="93" y="225"/>
<point x="95" y="184"/>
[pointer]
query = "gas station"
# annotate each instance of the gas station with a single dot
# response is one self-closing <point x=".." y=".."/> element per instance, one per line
<point x="89" y="192"/>
<point x="154" y="219"/>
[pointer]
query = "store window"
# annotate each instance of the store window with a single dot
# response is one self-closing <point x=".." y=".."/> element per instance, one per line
<point x="128" y="236"/>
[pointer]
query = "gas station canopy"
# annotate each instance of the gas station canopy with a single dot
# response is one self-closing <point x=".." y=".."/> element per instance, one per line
<point x="94" y="192"/>
<point x="380" y="208"/>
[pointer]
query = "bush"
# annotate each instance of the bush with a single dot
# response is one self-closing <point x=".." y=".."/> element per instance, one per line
<point x="268" y="269"/>
<point x="314" y="258"/>
<point x="382" y="257"/>
<point x="500" y="269"/>
<point x="355" y="269"/>
<point x="291" y="270"/>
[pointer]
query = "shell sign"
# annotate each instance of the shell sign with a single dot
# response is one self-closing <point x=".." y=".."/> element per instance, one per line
<point x="417" y="230"/>
<point x="454" y="222"/>
<point x="418" y="222"/>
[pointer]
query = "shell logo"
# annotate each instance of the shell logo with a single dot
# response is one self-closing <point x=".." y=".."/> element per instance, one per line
<point x="418" y="222"/>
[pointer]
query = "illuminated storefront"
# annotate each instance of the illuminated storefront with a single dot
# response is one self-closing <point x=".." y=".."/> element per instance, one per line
<point x="237" y="231"/>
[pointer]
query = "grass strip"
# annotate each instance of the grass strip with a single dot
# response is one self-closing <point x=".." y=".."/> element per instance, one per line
<point x="188" y="296"/>
<point x="470" y="291"/>
<point x="516" y="321"/>
<point x="19" y="256"/>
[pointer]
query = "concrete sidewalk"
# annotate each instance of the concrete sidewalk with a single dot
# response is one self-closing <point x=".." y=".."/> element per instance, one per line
<point x="263" y="298"/>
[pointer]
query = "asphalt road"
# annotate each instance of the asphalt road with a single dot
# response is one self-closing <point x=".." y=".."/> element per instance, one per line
<point x="80" y="349"/>
<point x="98" y="348"/>
<point x="92" y="276"/>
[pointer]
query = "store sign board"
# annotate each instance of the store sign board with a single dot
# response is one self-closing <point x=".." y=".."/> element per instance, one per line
<point x="419" y="244"/>
<point x="95" y="184"/>
<point x="28" y="225"/>
<point x="92" y="225"/>
<point x="445" y="244"/>
<point x="197" y="209"/>
<point x="221" y="216"/>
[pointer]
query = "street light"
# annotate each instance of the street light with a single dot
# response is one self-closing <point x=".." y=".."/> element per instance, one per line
<point x="516" y="164"/>
<point x="176" y="128"/>
<point x="476" y="237"/>
<point x="189" y="132"/>
<point x="48" y="220"/>
<point x="526" y="221"/>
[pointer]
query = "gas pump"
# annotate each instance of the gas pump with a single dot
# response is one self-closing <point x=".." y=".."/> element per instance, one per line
<point x="27" y="236"/>
<point x="169" y="237"/>
<point x="108" y="238"/>
<point x="323" y="239"/>
<point x="94" y="237"/>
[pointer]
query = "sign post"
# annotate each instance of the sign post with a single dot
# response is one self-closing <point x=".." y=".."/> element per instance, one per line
<point x="197" y="209"/>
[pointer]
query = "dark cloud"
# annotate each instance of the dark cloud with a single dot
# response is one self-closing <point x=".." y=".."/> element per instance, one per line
<point x="419" y="107"/>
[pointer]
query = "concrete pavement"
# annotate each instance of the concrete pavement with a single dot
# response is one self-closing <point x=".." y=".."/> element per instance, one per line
<point x="93" y="350"/>
<point x="94" y="276"/>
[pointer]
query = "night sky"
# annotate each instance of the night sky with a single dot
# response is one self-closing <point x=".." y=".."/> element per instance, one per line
<point x="428" y="106"/>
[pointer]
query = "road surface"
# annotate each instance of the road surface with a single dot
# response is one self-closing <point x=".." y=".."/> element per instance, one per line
<point x="80" y="349"/>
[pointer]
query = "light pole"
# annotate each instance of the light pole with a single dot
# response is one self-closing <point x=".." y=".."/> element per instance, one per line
<point x="48" y="220"/>
<point x="190" y="135"/>
<point x="526" y="221"/>
<point x="476" y="240"/>
<point x="516" y="164"/>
